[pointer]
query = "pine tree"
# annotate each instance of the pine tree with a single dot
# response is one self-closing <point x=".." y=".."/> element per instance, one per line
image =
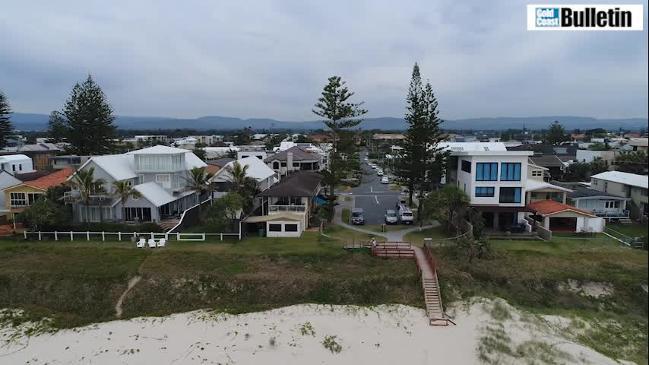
<point x="5" y="124"/>
<point x="57" y="129"/>
<point x="422" y="161"/>
<point x="87" y="119"/>
<point x="556" y="134"/>
<point x="339" y="116"/>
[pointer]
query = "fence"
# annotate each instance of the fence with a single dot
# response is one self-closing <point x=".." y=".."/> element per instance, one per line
<point x="544" y="233"/>
<point x="123" y="236"/>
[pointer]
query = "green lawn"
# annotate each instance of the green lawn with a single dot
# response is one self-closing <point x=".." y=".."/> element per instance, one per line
<point x="633" y="230"/>
<point x="530" y="274"/>
<point x="417" y="237"/>
<point x="79" y="282"/>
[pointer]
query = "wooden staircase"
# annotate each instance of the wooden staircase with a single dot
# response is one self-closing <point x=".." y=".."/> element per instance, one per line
<point x="429" y="280"/>
<point x="168" y="224"/>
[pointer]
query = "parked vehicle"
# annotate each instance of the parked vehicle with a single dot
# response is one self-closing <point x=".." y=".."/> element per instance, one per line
<point x="516" y="228"/>
<point x="357" y="216"/>
<point x="379" y="172"/>
<point x="385" y="180"/>
<point x="391" y="217"/>
<point x="405" y="214"/>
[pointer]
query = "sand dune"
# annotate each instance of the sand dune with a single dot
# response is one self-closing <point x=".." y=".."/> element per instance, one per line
<point x="387" y="334"/>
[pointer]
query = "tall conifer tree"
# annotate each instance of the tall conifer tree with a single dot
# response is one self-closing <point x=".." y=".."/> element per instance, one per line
<point x="5" y="123"/>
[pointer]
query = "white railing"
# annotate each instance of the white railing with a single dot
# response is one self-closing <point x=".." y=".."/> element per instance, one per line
<point x="286" y="208"/>
<point x="122" y="236"/>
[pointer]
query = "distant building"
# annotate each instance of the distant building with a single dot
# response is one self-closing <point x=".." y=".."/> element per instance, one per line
<point x="638" y="144"/>
<point x="152" y="138"/>
<point x="40" y="153"/>
<point x="294" y="159"/>
<point x="63" y="161"/>
<point x="16" y="164"/>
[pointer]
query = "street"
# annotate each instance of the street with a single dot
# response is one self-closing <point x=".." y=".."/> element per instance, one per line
<point x="373" y="196"/>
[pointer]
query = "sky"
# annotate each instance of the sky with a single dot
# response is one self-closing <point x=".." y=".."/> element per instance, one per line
<point x="271" y="59"/>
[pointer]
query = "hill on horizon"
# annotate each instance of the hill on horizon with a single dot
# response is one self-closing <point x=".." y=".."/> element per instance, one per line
<point x="38" y="122"/>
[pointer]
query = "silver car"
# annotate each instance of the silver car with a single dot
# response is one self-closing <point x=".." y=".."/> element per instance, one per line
<point x="391" y="216"/>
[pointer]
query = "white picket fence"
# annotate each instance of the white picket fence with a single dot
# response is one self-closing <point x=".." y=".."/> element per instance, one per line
<point x="123" y="236"/>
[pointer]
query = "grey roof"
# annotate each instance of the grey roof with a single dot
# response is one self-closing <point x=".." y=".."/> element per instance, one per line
<point x="588" y="192"/>
<point x="301" y="183"/>
<point x="220" y="162"/>
<point x="39" y="147"/>
<point x="547" y="161"/>
<point x="298" y="155"/>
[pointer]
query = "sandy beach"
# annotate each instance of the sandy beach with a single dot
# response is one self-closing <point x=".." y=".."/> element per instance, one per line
<point x="308" y="334"/>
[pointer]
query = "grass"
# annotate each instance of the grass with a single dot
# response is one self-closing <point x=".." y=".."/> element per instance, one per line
<point x="530" y="274"/>
<point x="417" y="237"/>
<point x="633" y="230"/>
<point x="77" y="283"/>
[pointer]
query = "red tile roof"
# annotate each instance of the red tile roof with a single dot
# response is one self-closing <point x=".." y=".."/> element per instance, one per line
<point x="549" y="207"/>
<point x="53" y="179"/>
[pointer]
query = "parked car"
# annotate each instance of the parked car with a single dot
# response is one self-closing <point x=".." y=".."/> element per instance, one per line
<point x="385" y="180"/>
<point x="405" y="215"/>
<point x="357" y="216"/>
<point x="391" y="216"/>
<point x="379" y="172"/>
<point x="516" y="228"/>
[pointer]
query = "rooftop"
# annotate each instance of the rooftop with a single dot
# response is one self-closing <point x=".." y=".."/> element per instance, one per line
<point x="301" y="183"/>
<point x="50" y="180"/>
<point x="623" y="178"/>
<point x="298" y="155"/>
<point x="547" y="161"/>
<point x="481" y="148"/>
<point x="550" y="207"/>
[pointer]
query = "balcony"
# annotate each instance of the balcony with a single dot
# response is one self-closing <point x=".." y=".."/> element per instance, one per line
<point x="286" y="208"/>
<point x="74" y="196"/>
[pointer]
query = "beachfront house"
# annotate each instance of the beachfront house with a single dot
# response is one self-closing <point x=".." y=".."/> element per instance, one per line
<point x="255" y="168"/>
<point x="286" y="209"/>
<point x="501" y="184"/>
<point x="160" y="174"/>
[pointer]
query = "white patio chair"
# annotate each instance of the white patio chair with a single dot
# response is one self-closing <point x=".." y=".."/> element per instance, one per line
<point x="151" y="243"/>
<point x="162" y="242"/>
<point x="141" y="242"/>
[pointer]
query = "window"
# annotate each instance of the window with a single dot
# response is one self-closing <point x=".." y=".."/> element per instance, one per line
<point x="510" y="195"/>
<point x="537" y="173"/>
<point x="486" y="171"/>
<point x="276" y="165"/>
<point x="484" y="191"/>
<point x="283" y="164"/>
<point x="466" y="166"/>
<point x="275" y="227"/>
<point x="290" y="228"/>
<point x="164" y="180"/>
<point x="18" y="199"/>
<point x="296" y="164"/>
<point x="137" y="214"/>
<point x="510" y="171"/>
<point x="605" y="186"/>
<point x="612" y="204"/>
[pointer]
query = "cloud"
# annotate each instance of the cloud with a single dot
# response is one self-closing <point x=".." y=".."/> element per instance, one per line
<point x="272" y="58"/>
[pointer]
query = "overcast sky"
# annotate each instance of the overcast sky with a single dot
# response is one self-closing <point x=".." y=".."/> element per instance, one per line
<point x="271" y="58"/>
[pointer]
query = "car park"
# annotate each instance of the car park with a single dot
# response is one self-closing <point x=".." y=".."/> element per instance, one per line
<point x="357" y="216"/>
<point x="391" y="217"/>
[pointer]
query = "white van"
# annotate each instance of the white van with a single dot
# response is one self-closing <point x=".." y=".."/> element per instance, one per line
<point x="405" y="215"/>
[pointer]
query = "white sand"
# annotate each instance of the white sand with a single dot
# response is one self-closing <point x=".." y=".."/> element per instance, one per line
<point x="392" y="334"/>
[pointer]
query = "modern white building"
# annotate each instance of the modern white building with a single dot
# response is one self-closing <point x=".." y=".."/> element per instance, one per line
<point x="16" y="164"/>
<point x="160" y="174"/>
<point x="503" y="184"/>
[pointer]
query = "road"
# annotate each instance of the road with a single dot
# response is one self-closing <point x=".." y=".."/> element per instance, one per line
<point x="373" y="196"/>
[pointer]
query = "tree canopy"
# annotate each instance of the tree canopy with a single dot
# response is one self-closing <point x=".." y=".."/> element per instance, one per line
<point x="5" y="123"/>
<point x="556" y="134"/>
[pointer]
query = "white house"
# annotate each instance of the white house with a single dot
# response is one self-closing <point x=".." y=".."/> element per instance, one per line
<point x="500" y="183"/>
<point x="256" y="169"/>
<point x="294" y="159"/>
<point x="160" y="174"/>
<point x="16" y="164"/>
<point x="625" y="185"/>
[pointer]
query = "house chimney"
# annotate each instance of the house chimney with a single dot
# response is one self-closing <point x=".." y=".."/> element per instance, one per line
<point x="289" y="161"/>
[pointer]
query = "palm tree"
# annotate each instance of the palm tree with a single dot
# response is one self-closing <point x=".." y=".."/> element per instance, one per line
<point x="85" y="183"/>
<point x="243" y="184"/>
<point x="124" y="190"/>
<point x="199" y="180"/>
